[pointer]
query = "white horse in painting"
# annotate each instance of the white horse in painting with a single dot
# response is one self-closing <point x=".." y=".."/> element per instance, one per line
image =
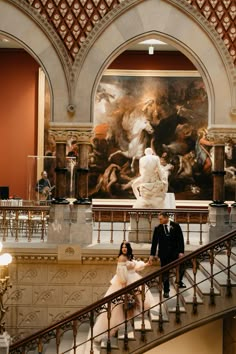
<point x="130" y="137"/>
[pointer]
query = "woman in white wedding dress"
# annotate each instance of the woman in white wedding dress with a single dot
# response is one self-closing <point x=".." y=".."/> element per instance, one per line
<point x="126" y="273"/>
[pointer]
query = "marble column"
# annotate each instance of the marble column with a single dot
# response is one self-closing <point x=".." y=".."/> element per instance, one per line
<point x="218" y="209"/>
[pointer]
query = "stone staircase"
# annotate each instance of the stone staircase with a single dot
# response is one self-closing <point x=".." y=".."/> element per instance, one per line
<point x="210" y="292"/>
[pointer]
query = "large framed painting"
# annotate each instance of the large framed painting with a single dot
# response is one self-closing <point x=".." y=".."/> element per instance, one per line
<point x="167" y="111"/>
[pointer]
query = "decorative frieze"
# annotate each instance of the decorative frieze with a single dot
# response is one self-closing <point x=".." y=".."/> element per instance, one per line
<point x="64" y="134"/>
<point x="222" y="135"/>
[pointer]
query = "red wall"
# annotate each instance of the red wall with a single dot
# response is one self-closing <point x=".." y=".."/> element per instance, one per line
<point x="18" y="106"/>
<point x="18" y="118"/>
<point x="164" y="60"/>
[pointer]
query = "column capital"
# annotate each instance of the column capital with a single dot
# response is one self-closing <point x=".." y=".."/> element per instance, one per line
<point x="61" y="133"/>
<point x="222" y="135"/>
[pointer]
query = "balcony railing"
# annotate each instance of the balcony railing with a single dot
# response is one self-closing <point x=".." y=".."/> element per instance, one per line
<point x="23" y="223"/>
<point x="112" y="223"/>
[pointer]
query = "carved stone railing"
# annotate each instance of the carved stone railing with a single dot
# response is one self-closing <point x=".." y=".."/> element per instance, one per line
<point x="217" y="301"/>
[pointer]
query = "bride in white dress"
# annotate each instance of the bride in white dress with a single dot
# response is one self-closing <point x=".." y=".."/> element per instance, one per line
<point x="126" y="273"/>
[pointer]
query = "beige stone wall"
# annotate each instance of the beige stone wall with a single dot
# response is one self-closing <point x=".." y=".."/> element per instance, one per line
<point x="46" y="291"/>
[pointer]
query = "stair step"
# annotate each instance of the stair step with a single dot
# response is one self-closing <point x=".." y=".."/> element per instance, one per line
<point x="221" y="277"/>
<point x="114" y="343"/>
<point x="188" y="293"/>
<point x="203" y="284"/>
<point x="138" y="324"/>
<point x="223" y="261"/>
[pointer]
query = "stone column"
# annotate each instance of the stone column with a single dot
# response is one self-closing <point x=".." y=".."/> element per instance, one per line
<point x="218" y="209"/>
<point x="71" y="223"/>
<point x="61" y="170"/>
<point x="82" y="175"/>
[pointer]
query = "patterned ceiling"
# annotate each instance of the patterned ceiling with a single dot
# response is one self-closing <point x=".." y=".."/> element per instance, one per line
<point x="73" y="20"/>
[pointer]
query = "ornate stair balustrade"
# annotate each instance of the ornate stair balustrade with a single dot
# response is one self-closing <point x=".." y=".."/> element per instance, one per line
<point x="210" y="276"/>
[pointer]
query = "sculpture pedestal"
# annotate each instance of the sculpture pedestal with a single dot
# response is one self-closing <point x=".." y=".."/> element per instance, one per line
<point x="142" y="224"/>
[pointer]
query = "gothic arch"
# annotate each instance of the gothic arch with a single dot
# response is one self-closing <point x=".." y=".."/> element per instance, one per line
<point x="196" y="39"/>
<point x="38" y="39"/>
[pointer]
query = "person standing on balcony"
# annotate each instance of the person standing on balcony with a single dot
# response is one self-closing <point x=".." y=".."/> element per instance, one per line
<point x="126" y="273"/>
<point x="168" y="236"/>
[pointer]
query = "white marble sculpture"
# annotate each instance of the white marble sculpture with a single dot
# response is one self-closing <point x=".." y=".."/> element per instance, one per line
<point x="151" y="186"/>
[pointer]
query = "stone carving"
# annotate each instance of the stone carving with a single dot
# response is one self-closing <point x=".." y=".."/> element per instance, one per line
<point x="151" y="186"/>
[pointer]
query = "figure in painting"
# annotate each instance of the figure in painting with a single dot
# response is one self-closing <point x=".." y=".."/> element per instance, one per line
<point x="151" y="186"/>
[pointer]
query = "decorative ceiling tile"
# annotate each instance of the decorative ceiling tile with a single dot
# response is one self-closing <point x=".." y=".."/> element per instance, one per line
<point x="227" y="3"/>
<point x="63" y="8"/>
<point x="50" y="9"/>
<point x="89" y="9"/>
<point x="76" y="31"/>
<point x="69" y="20"/>
<point x="56" y="20"/>
<point x="76" y="9"/>
<point x="63" y="31"/>
<point x="219" y="11"/>
<point x="74" y="20"/>
<point x="226" y="22"/>
<point x="232" y="11"/>
<point x="232" y="33"/>
<point x="206" y="11"/>
<point x="214" y="3"/>
<point x="220" y="30"/>
<point x="82" y="20"/>
<point x="109" y="2"/>
<point x="96" y="2"/>
<point x="69" y="41"/>
<point x="102" y="10"/>
<point x="56" y="2"/>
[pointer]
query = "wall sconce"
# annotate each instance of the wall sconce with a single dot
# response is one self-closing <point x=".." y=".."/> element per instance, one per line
<point x="5" y="260"/>
<point x="151" y="50"/>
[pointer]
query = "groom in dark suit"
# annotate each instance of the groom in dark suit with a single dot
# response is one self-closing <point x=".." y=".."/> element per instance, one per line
<point x="168" y="236"/>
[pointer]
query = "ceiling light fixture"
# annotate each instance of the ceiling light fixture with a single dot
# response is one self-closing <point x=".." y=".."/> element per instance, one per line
<point x="151" y="50"/>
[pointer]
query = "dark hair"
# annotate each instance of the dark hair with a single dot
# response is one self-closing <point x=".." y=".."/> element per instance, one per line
<point x="129" y="250"/>
<point x="164" y="214"/>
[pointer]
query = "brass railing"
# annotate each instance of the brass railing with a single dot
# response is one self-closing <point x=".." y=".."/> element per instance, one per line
<point x="215" y="305"/>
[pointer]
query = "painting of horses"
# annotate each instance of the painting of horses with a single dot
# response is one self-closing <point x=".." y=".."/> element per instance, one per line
<point x="165" y="111"/>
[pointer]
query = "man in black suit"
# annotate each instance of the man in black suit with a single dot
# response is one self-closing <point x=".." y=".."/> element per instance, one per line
<point x="168" y="236"/>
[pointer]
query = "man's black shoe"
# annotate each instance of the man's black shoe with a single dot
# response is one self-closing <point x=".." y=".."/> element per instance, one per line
<point x="182" y="285"/>
<point x="166" y="295"/>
